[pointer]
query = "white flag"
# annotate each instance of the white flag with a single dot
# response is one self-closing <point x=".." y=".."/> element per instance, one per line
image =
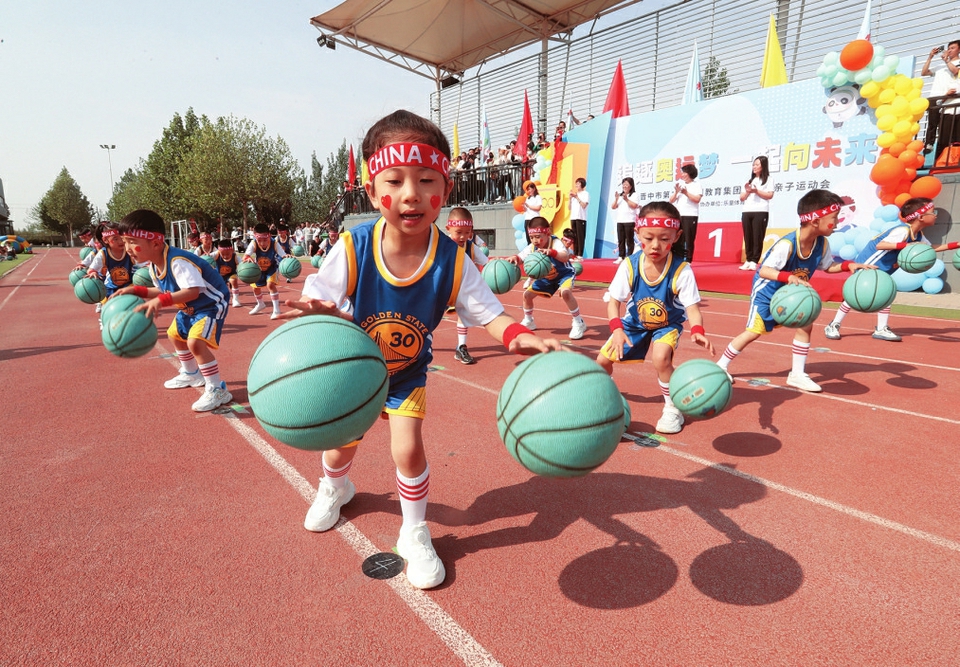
<point x="485" y="146"/>
<point x="865" y="26"/>
<point x="693" y="91"/>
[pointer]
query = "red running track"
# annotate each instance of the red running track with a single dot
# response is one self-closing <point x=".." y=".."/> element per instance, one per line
<point x="792" y="529"/>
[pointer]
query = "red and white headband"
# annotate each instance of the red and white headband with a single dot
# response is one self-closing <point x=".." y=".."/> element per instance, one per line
<point x="459" y="222"/>
<point x="408" y="155"/>
<point x="538" y="230"/>
<point x="262" y="237"/>
<point x="669" y="223"/>
<point x="144" y="234"/>
<point x="822" y="213"/>
<point x="926" y="208"/>
<point x="107" y="233"/>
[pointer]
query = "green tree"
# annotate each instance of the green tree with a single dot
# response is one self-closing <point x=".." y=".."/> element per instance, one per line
<point x="715" y="82"/>
<point x="306" y="195"/>
<point x="64" y="207"/>
<point x="128" y="194"/>
<point x="334" y="176"/>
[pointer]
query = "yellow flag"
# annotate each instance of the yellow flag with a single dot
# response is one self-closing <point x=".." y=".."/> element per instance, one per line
<point x="456" y="141"/>
<point x="774" y="71"/>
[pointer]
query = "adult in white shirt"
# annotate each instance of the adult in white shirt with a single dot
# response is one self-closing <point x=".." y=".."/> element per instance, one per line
<point x="944" y="85"/>
<point x="686" y="196"/>
<point x="579" y="200"/>
<point x="626" y="201"/>
<point x="756" y="196"/>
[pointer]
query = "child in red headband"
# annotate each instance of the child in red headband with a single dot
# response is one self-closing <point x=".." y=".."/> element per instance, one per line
<point x="111" y="263"/>
<point x="792" y="259"/>
<point x="267" y="253"/>
<point x="460" y="230"/>
<point x="660" y="293"/>
<point x="399" y="275"/>
<point x="883" y="250"/>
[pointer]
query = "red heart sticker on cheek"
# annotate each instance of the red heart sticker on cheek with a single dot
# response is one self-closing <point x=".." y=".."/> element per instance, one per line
<point x="435" y="201"/>
<point x="386" y="201"/>
<point x="136" y="248"/>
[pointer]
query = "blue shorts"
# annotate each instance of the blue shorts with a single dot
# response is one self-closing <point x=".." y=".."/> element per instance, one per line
<point x="638" y="343"/>
<point x="759" y="318"/>
<point x="203" y="325"/>
<point x="546" y="287"/>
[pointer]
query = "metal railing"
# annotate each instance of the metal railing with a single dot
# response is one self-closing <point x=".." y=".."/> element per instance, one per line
<point x="945" y="141"/>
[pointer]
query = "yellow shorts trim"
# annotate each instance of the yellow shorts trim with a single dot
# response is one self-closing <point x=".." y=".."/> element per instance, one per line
<point x="196" y="332"/>
<point x="415" y="405"/>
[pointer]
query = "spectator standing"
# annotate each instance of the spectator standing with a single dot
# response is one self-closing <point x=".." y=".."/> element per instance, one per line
<point x="944" y="85"/>
<point x="756" y="196"/>
<point x="579" y="200"/>
<point x="686" y="197"/>
<point x="625" y="203"/>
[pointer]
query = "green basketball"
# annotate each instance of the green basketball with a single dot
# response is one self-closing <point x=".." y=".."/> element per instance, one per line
<point x="129" y="333"/>
<point x="500" y="275"/>
<point x="485" y="250"/>
<point x="85" y="252"/>
<point x="627" y="416"/>
<point x="577" y="267"/>
<point x="537" y="265"/>
<point x="118" y="303"/>
<point x="248" y="272"/>
<point x="956" y="260"/>
<point x="316" y="261"/>
<point x="700" y="388"/>
<point x="298" y="251"/>
<point x="211" y="260"/>
<point x="795" y="306"/>
<point x="317" y="382"/>
<point x="142" y="277"/>
<point x="560" y="414"/>
<point x="869" y="290"/>
<point x="917" y="258"/>
<point x="76" y="275"/>
<point x="90" y="290"/>
<point x="290" y="267"/>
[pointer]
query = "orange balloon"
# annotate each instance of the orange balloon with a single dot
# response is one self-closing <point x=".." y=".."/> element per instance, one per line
<point x="903" y="185"/>
<point x="919" y="161"/>
<point x="916" y="145"/>
<point x="856" y="55"/>
<point x="911" y="173"/>
<point x="518" y="203"/>
<point x="886" y="200"/>
<point x="901" y="199"/>
<point x="926" y="186"/>
<point x="887" y="171"/>
<point x="896" y="149"/>
<point x="908" y="157"/>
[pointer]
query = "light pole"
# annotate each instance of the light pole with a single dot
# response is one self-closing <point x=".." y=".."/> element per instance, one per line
<point x="109" y="147"/>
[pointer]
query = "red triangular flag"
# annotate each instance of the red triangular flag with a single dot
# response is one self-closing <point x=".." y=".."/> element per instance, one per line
<point x="351" y="169"/>
<point x="526" y="129"/>
<point x="617" y="96"/>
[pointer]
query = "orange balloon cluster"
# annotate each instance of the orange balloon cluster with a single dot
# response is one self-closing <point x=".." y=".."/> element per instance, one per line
<point x="896" y="174"/>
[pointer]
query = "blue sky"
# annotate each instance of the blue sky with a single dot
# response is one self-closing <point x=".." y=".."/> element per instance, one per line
<point x="77" y="75"/>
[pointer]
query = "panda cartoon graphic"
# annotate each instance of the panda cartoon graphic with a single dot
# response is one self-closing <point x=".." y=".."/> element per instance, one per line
<point x="844" y="103"/>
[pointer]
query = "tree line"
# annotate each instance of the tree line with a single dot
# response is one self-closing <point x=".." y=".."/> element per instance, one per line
<point x="222" y="172"/>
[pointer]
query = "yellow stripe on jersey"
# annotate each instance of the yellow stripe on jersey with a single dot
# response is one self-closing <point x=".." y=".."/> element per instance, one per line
<point x="350" y="252"/>
<point x="378" y="230"/>
<point x="457" y="278"/>
<point x="676" y="276"/>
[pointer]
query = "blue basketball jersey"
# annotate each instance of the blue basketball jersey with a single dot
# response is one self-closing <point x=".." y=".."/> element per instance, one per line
<point x="400" y="315"/>
<point x="886" y="260"/>
<point x="214" y="293"/>
<point x="268" y="260"/>
<point x="225" y="268"/>
<point x="803" y="267"/>
<point x="653" y="305"/>
<point x="118" y="272"/>
<point x="560" y="271"/>
<point x="285" y="245"/>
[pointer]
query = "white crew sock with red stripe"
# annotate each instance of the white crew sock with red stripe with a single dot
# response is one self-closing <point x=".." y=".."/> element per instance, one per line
<point x="188" y="364"/>
<point x="841" y="313"/>
<point x="211" y="374"/>
<point x="800" y="351"/>
<point x="461" y="333"/>
<point x="413" y="497"/>
<point x="275" y="298"/>
<point x="665" y="390"/>
<point x="728" y="355"/>
<point x="336" y="477"/>
<point x="883" y="317"/>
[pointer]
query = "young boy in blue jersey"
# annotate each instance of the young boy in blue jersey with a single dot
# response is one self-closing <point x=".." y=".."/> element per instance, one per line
<point x="227" y="267"/>
<point x="183" y="280"/>
<point x="400" y="273"/>
<point x="111" y="263"/>
<point x="460" y="230"/>
<point x="660" y="292"/>
<point x="560" y="278"/>
<point x="792" y="259"/>
<point x="883" y="251"/>
<point x="206" y="246"/>
<point x="267" y="253"/>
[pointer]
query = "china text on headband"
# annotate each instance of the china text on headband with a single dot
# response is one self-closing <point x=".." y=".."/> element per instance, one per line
<point x="822" y="213"/>
<point x="459" y="222"/>
<point x="669" y="223"/>
<point x="107" y="233"/>
<point x="926" y="208"/>
<point x="538" y="230"/>
<point x="144" y="234"/>
<point x="262" y="237"/>
<point x="408" y="155"/>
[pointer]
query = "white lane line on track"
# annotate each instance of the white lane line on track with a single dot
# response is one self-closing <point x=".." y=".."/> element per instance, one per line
<point x="458" y="640"/>
<point x="14" y="290"/>
<point x="803" y="495"/>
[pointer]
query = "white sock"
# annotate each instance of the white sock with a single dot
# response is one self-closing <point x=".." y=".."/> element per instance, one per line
<point x="665" y="390"/>
<point x="883" y="318"/>
<point x="841" y="313"/>
<point x="728" y="355"/>
<point x="188" y="364"/>
<point x="275" y="298"/>
<point x="211" y="374"/>
<point x="336" y="477"/>
<point x="413" y="497"/>
<point x="800" y="351"/>
<point x="461" y="334"/>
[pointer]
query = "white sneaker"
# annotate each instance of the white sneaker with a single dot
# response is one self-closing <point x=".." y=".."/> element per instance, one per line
<point x="671" y="421"/>
<point x="618" y="260"/>
<point x="424" y="568"/>
<point x="884" y="333"/>
<point x="832" y="331"/>
<point x="212" y="398"/>
<point x="803" y="382"/>
<point x="325" y="510"/>
<point x="527" y="283"/>
<point x="745" y="266"/>
<point x="235" y="303"/>
<point x="528" y="323"/>
<point x="99" y="306"/>
<point x="259" y="308"/>
<point x="729" y="377"/>
<point x="184" y="380"/>
<point x="579" y="328"/>
<point x="275" y="315"/>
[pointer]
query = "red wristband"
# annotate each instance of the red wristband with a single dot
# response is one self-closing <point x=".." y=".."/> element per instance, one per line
<point x="697" y="329"/>
<point x="845" y="265"/>
<point x="165" y="299"/>
<point x="953" y="245"/>
<point x="901" y="245"/>
<point x="551" y="253"/>
<point x="615" y="323"/>
<point x="140" y="291"/>
<point x="784" y="276"/>
<point x="512" y="332"/>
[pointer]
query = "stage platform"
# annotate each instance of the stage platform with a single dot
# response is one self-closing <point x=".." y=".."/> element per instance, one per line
<point x="721" y="277"/>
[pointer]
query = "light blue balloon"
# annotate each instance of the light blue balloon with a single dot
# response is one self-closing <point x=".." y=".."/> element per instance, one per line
<point x="936" y="270"/>
<point x="840" y="78"/>
<point x="877" y="224"/>
<point x="907" y="282"/>
<point x="879" y="52"/>
<point x="932" y="285"/>
<point x="880" y="73"/>
<point x="889" y="225"/>
<point x="864" y="234"/>
<point x="891" y="62"/>
<point x="838" y="240"/>
<point x="517" y="222"/>
<point x="521" y="244"/>
<point x="890" y="212"/>
<point x="848" y="252"/>
<point x="832" y="58"/>
<point x="863" y="75"/>
<point x="830" y="71"/>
